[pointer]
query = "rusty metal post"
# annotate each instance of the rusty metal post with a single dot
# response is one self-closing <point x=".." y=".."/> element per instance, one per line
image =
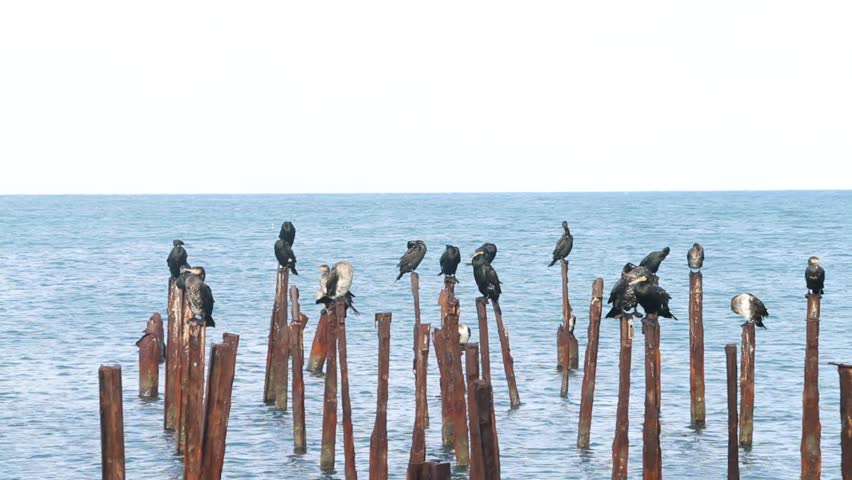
<point x="561" y="339"/>
<point x="220" y="382"/>
<point x="231" y="339"/>
<point x="485" y="357"/>
<point x="566" y="328"/>
<point x="379" y="437"/>
<point x="508" y="361"/>
<point x="320" y="345"/>
<point x="112" y="423"/>
<point x="418" y="438"/>
<point x="431" y="470"/>
<point x="471" y="356"/>
<point x="573" y="351"/>
<point x="587" y="396"/>
<point x="329" y="415"/>
<point x="652" y="465"/>
<point x="150" y="348"/>
<point x="439" y="345"/>
<point x="194" y="414"/>
<point x="281" y="355"/>
<point x="733" y="447"/>
<point x="747" y="385"/>
<point x="696" y="349"/>
<point x="487" y="428"/>
<point x="456" y="409"/>
<point x="621" y="444"/>
<point x="845" y="372"/>
<point x="297" y="347"/>
<point x="811" y="427"/>
<point x="184" y="376"/>
<point x="278" y="321"/>
<point x="348" y="434"/>
<point x="415" y="292"/>
<point x="173" y="349"/>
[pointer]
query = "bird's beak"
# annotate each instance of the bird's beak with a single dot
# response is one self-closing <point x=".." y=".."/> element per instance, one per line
<point x="477" y="254"/>
<point x="638" y="280"/>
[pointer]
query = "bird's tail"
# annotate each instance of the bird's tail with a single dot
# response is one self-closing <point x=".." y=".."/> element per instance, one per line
<point x="293" y="269"/>
<point x="552" y="263"/>
<point x="348" y="301"/>
<point x="440" y="273"/>
<point x="613" y="313"/>
<point x="759" y="323"/>
<point x="399" y="276"/>
<point x="209" y="321"/>
<point x="325" y="300"/>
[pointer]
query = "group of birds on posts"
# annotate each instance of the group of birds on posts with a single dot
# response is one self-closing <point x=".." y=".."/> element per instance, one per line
<point x="191" y="280"/>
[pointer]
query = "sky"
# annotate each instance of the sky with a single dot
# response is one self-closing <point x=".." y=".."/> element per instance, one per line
<point x="368" y="96"/>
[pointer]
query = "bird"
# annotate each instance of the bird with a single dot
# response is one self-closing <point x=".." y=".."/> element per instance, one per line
<point x="814" y="276"/>
<point x="563" y="246"/>
<point x="323" y="281"/>
<point x="627" y="268"/>
<point x="199" y="296"/>
<point x="623" y="293"/>
<point x="486" y="277"/>
<point x="412" y="257"/>
<point x="749" y="307"/>
<point x="287" y="233"/>
<point x="489" y="249"/>
<point x="653" y="260"/>
<point x="464" y="334"/>
<point x="450" y="260"/>
<point x="338" y="285"/>
<point x="284" y="254"/>
<point x="695" y="257"/>
<point x="177" y="258"/>
<point x="653" y="298"/>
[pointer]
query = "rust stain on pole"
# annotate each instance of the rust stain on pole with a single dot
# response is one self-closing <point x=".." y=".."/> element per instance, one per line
<point x="565" y="366"/>
<point x="112" y="423"/>
<point x="298" y="349"/>
<point x="150" y="348"/>
<point x="329" y="415"/>
<point x="696" y="349"/>
<point x="508" y="361"/>
<point x="621" y="444"/>
<point x="194" y="414"/>
<point x="652" y="465"/>
<point x="184" y="375"/>
<point x="587" y="396"/>
<point x="415" y="292"/>
<point x="175" y="316"/>
<point x="560" y="346"/>
<point x="418" y="438"/>
<point x="733" y="447"/>
<point x="281" y="355"/>
<point x="747" y="385"/>
<point x="456" y="409"/>
<point x="485" y="356"/>
<point x="276" y="323"/>
<point x="439" y="345"/>
<point x="223" y="357"/>
<point x="845" y="372"/>
<point x="379" y="437"/>
<point x="487" y="428"/>
<point x="319" y="346"/>
<point x="471" y="356"/>
<point x="348" y="435"/>
<point x="811" y="427"/>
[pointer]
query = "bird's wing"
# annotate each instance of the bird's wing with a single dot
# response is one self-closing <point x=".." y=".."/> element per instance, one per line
<point x="407" y="258"/>
<point x="331" y="284"/>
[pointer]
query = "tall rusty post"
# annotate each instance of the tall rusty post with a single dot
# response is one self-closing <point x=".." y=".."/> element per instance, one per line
<point x="175" y="316"/>
<point x="471" y="356"/>
<point x="845" y="372"/>
<point x="487" y="429"/>
<point x="194" y="413"/>
<point x="747" y="385"/>
<point x="297" y="348"/>
<point x="567" y="313"/>
<point x="112" y="423"/>
<point x="561" y="342"/>
<point x="485" y="357"/>
<point x="150" y="348"/>
<point x="184" y="375"/>
<point x="733" y="447"/>
<point x="348" y="434"/>
<point x="379" y="437"/>
<point x="508" y="361"/>
<point x="415" y="292"/>
<point x="811" y="427"/>
<point x="220" y="382"/>
<point x="590" y="366"/>
<point x="621" y="444"/>
<point x="281" y="355"/>
<point x="698" y="410"/>
<point x="431" y="470"/>
<point x="439" y="345"/>
<point x="652" y="458"/>
<point x="320" y="345"/>
<point x="277" y="325"/>
<point x="418" y="437"/>
<point x="456" y="409"/>
<point x="329" y="415"/>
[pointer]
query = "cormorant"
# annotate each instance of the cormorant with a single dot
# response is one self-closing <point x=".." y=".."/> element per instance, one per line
<point x="338" y="285"/>
<point x="695" y="257"/>
<point x="750" y="308"/>
<point x="486" y="277"/>
<point x="464" y="334"/>
<point x="814" y="276"/>
<point x="653" y="260"/>
<point x="199" y="297"/>
<point x="563" y="246"/>
<point x="627" y="268"/>
<point x="412" y="257"/>
<point x="450" y="260"/>
<point x="177" y="258"/>
<point x="288" y="233"/>
<point x="623" y="293"/>
<point x="653" y="298"/>
<point x="488" y="249"/>
<point x="284" y="254"/>
<point x="322" y="292"/>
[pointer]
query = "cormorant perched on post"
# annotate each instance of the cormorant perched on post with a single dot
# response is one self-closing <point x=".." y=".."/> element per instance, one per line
<point x="322" y="291"/>
<point x="288" y="233"/>
<point x="488" y="249"/>
<point x="814" y="276"/>
<point x="450" y="260"/>
<point x="653" y="298"/>
<point x="623" y="293"/>
<point x="749" y="307"/>
<point x="284" y="254"/>
<point x="199" y="296"/>
<point x="563" y="246"/>
<point x="177" y="258"/>
<point x="412" y="257"/>
<point x="486" y="277"/>
<point x="653" y="260"/>
<point x="695" y="257"/>
<point x="338" y="285"/>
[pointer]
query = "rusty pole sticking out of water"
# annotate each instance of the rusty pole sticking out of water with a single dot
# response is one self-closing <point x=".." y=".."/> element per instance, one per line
<point x="319" y="345"/>
<point x="508" y="361"/>
<point x="194" y="414"/>
<point x="652" y="458"/>
<point x="811" y="427"/>
<point x="329" y="414"/>
<point x="175" y="316"/>
<point x="277" y="322"/>
<point x="431" y="470"/>
<point x="184" y="375"/>
<point x="733" y="447"/>
<point x="487" y="428"/>
<point x="220" y="381"/>
<point x="112" y="423"/>
<point x="150" y="348"/>
<point x="457" y="410"/>
<point x="379" y="437"/>
<point x="621" y="444"/>
<point x="587" y="397"/>
<point x="297" y="348"/>
<point x="484" y="355"/>
<point x="471" y="356"/>
<point x="566" y="329"/>
<point x="845" y="372"/>
<point x="439" y="345"/>
<point x="696" y="349"/>
<point x="418" y="438"/>
<point x="348" y="435"/>
<point x="747" y="385"/>
<point x="281" y="355"/>
<point x="415" y="292"/>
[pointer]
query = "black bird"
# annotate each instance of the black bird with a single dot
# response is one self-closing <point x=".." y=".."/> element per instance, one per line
<point x="653" y="260"/>
<point x="412" y="257"/>
<point x="695" y="257"/>
<point x="814" y="276"/>
<point x="750" y="308"/>
<point x="563" y="246"/>
<point x="288" y="233"/>
<point x="489" y="250"/>
<point x="177" y="258"/>
<point x="450" y="260"/>
<point x="627" y="268"/>
<point x="486" y="277"/>
<point x="338" y="284"/>
<point x="653" y="299"/>
<point x="199" y="296"/>
<point x="623" y="293"/>
<point x="284" y="254"/>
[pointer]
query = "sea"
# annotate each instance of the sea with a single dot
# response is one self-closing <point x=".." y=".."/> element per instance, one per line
<point x="80" y="276"/>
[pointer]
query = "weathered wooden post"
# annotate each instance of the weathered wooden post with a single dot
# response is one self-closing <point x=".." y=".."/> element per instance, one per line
<point x="508" y="361"/>
<point x="487" y="429"/>
<point x="431" y="470"/>
<point x="587" y="397"/>
<point x="621" y="444"/>
<point x="329" y="415"/>
<point x="223" y="358"/>
<point x="696" y="349"/>
<point x="652" y="458"/>
<point x="112" y="423"/>
<point x="173" y="349"/>
<point x="456" y="409"/>
<point x="320" y="344"/>
<point x="379" y="437"/>
<point x="733" y="447"/>
<point x="297" y="328"/>
<point x="348" y="435"/>
<point x="471" y="356"/>
<point x="439" y="345"/>
<point x="150" y="348"/>
<point x="484" y="355"/>
<point x="747" y="385"/>
<point x="811" y="427"/>
<point x="194" y="414"/>
<point x="415" y="292"/>
<point x="418" y="438"/>
<point x="845" y="372"/>
<point x="184" y="375"/>
<point x="561" y="342"/>
<point x="277" y="334"/>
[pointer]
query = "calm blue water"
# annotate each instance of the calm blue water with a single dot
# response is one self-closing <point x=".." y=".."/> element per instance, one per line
<point x="80" y="275"/>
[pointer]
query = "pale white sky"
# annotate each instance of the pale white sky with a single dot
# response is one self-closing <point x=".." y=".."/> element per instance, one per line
<point x="366" y="96"/>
